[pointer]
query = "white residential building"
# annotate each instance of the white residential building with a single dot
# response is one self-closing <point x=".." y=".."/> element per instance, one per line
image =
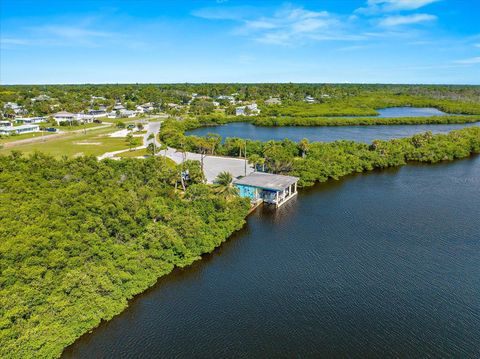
<point x="4" y="130"/>
<point x="30" y="120"/>
<point x="309" y="99"/>
<point x="122" y="114"/>
<point x="248" y="110"/>
<point x="17" y="109"/>
<point x="5" y="123"/>
<point x="42" y="97"/>
<point x="64" y="116"/>
<point x="97" y="113"/>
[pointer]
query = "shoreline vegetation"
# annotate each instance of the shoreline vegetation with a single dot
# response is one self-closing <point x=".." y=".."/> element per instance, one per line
<point x="81" y="237"/>
<point x="318" y="161"/>
<point x="279" y="121"/>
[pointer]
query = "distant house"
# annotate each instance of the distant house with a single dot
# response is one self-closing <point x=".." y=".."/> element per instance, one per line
<point x="30" y="120"/>
<point x="4" y="130"/>
<point x="145" y="108"/>
<point x="228" y="98"/>
<point x="128" y="113"/>
<point x="97" y="113"/>
<point x="5" y="123"/>
<point x="41" y="98"/>
<point x="273" y="101"/>
<point x="84" y="118"/>
<point x="98" y="98"/>
<point x="309" y="99"/>
<point x="118" y="107"/>
<point x="248" y="110"/>
<point x="17" y="109"/>
<point x="123" y="113"/>
<point x="64" y="116"/>
<point x="174" y="106"/>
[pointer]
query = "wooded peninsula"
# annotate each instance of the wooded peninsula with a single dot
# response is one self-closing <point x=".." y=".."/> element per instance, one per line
<point x="81" y="236"/>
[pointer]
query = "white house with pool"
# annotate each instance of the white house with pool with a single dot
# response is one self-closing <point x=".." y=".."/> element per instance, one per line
<point x="267" y="187"/>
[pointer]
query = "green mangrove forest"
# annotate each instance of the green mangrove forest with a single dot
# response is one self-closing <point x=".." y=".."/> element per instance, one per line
<point x="80" y="237"/>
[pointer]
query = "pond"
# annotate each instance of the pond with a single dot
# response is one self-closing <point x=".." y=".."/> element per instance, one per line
<point x="409" y="112"/>
<point x="377" y="265"/>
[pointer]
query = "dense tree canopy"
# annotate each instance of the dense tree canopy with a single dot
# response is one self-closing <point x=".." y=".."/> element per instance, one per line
<point x="80" y="237"/>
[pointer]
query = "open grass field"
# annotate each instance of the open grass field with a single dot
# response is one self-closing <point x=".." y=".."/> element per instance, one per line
<point x="80" y="127"/>
<point x="23" y="136"/>
<point x="95" y="142"/>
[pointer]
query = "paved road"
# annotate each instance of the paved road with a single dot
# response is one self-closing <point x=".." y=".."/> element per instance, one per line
<point x="212" y="165"/>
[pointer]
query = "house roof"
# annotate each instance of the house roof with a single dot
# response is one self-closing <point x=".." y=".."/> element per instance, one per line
<point x="63" y="114"/>
<point x="273" y="100"/>
<point x="267" y="181"/>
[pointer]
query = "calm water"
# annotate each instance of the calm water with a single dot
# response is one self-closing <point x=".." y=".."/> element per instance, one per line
<point x="332" y="133"/>
<point x="409" y="112"/>
<point x="377" y="265"/>
<point x="364" y="134"/>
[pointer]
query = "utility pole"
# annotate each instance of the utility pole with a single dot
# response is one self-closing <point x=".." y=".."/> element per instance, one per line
<point x="245" y="157"/>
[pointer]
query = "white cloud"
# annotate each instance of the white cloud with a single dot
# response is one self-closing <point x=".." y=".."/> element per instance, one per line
<point x="291" y="25"/>
<point x="470" y="61"/>
<point x="378" y="6"/>
<point x="406" y="19"/>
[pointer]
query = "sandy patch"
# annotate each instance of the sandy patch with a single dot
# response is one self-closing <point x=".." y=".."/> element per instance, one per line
<point x="88" y="143"/>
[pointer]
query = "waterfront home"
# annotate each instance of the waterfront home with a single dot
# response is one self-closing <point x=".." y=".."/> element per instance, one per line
<point x="309" y="99"/>
<point x="5" y="123"/>
<point x="30" y="120"/>
<point x="4" y="130"/>
<point x="248" y="110"/>
<point x="273" y="101"/>
<point x="266" y="187"/>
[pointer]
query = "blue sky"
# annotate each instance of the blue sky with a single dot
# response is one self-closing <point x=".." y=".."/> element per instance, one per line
<point x="368" y="41"/>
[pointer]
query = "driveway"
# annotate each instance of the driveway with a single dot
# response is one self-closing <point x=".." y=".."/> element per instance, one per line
<point x="213" y="165"/>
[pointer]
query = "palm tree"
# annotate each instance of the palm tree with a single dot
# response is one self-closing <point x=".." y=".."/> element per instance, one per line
<point x="224" y="184"/>
<point x="303" y="145"/>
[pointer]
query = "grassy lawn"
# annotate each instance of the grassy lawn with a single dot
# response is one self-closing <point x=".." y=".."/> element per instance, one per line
<point x="79" y="127"/>
<point x="95" y="142"/>
<point x="24" y="136"/>
<point x="136" y="153"/>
